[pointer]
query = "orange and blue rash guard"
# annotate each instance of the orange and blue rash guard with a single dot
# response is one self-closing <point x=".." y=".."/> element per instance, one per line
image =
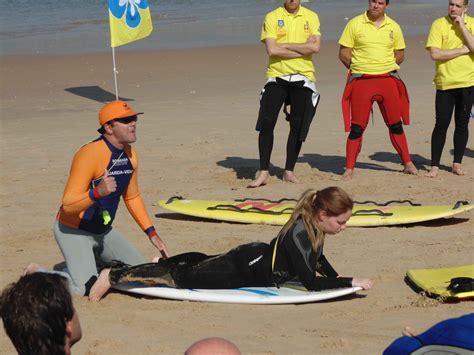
<point x="82" y="207"/>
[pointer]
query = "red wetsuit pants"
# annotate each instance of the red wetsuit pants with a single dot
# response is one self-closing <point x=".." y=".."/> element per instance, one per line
<point x="383" y="90"/>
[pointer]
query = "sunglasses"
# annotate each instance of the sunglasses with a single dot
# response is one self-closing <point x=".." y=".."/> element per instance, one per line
<point x="126" y="120"/>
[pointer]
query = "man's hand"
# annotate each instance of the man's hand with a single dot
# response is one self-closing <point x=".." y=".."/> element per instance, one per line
<point x="459" y="20"/>
<point x="312" y="39"/>
<point x="107" y="186"/>
<point x="160" y="245"/>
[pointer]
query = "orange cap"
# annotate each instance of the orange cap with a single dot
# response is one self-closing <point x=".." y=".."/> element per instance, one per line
<point x="115" y="109"/>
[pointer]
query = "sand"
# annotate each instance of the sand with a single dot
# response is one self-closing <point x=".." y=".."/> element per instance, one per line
<point x="197" y="140"/>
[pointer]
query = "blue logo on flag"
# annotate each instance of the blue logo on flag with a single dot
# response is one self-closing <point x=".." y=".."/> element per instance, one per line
<point x="281" y="23"/>
<point x="119" y="8"/>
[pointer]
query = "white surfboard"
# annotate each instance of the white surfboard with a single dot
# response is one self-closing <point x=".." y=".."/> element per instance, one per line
<point x="245" y="295"/>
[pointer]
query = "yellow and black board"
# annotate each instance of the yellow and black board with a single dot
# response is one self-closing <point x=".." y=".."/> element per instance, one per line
<point x="435" y="282"/>
<point x="278" y="212"/>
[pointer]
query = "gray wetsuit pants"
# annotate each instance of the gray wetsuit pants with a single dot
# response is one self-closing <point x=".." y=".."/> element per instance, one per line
<point x="83" y="250"/>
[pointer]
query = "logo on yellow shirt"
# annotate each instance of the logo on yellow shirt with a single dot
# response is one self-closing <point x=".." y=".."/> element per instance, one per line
<point x="281" y="23"/>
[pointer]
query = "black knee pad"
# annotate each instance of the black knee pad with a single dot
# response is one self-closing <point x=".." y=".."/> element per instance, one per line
<point x="356" y="132"/>
<point x="89" y="284"/>
<point x="396" y="128"/>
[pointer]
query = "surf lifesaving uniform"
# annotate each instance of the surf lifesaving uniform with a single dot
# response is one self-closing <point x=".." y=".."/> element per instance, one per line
<point x="83" y="228"/>
<point x="373" y="78"/>
<point x="454" y="81"/>
<point x="290" y="81"/>
<point x="246" y="265"/>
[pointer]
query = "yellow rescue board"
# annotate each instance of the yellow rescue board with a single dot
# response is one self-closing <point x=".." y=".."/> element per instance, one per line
<point x="435" y="282"/>
<point x="277" y="213"/>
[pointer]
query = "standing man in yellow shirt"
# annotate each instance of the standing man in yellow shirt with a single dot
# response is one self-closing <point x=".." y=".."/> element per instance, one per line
<point x="291" y="36"/>
<point x="451" y="45"/>
<point x="372" y="48"/>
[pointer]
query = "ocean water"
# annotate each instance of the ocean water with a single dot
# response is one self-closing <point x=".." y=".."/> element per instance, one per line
<point x="79" y="26"/>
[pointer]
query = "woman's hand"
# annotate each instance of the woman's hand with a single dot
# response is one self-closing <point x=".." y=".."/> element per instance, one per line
<point x="366" y="284"/>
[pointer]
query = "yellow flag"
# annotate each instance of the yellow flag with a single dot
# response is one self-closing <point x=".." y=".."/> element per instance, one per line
<point x="130" y="20"/>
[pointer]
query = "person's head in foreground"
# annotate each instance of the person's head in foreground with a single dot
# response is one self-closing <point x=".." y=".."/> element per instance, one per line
<point x="38" y="315"/>
<point x="328" y="210"/>
<point x="213" y="346"/>
<point x="118" y="123"/>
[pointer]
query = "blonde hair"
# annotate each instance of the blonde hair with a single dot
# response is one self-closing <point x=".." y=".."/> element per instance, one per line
<point x="333" y="200"/>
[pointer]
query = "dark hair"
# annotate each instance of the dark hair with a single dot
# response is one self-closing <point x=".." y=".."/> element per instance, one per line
<point x="35" y="311"/>
<point x="333" y="200"/>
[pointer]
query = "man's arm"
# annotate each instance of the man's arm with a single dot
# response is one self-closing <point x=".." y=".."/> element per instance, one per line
<point x="399" y="56"/>
<point x="312" y="46"/>
<point x="468" y="37"/>
<point x="345" y="56"/>
<point x="276" y="50"/>
<point x="447" y="54"/>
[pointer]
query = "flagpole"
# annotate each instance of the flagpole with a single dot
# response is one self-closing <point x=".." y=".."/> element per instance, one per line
<point x="115" y="74"/>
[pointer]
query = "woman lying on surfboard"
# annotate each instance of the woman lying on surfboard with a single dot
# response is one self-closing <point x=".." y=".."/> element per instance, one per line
<point x="297" y="251"/>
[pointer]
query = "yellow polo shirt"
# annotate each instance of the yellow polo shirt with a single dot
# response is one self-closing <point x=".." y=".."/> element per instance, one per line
<point x="372" y="48"/>
<point x="457" y="72"/>
<point x="289" y="28"/>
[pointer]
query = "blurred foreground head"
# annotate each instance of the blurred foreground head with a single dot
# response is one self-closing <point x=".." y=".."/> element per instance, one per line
<point x="213" y="346"/>
<point x="38" y="315"/>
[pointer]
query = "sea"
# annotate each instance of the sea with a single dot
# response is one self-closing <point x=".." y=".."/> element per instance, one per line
<point x="81" y="26"/>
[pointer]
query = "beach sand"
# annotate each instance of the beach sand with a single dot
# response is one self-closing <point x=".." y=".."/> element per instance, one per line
<point x="197" y="139"/>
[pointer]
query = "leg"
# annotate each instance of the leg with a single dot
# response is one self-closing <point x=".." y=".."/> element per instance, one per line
<point x="353" y="146"/>
<point x="444" y="111"/>
<point x="113" y="246"/>
<point x="272" y="99"/>
<point x="152" y="274"/>
<point x="117" y="247"/>
<point x="240" y="267"/>
<point x="156" y="273"/>
<point x="361" y="104"/>
<point x="77" y="249"/>
<point x="293" y="148"/>
<point x="463" y="106"/>
<point x="399" y="141"/>
<point x="389" y="104"/>
<point x="299" y="97"/>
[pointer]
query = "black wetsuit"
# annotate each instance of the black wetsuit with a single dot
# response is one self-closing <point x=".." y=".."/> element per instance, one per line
<point x="246" y="265"/>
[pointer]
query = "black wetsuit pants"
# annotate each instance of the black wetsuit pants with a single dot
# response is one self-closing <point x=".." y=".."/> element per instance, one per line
<point x="246" y="265"/>
<point x="273" y="97"/>
<point x="461" y="101"/>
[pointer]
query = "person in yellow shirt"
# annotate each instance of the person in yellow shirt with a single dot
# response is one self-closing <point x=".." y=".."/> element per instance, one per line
<point x="372" y="48"/>
<point x="451" y="46"/>
<point x="291" y="36"/>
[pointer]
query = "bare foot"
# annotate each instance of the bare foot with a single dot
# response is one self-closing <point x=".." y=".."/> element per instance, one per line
<point x="100" y="287"/>
<point x="290" y="177"/>
<point x="156" y="259"/>
<point x="409" y="332"/>
<point x="457" y="170"/>
<point x="347" y="174"/>
<point x="433" y="172"/>
<point x="263" y="177"/>
<point x="31" y="268"/>
<point x="410" y="168"/>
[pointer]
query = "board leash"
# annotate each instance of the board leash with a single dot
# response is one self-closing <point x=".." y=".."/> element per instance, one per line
<point x="233" y="208"/>
<point x="387" y="203"/>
